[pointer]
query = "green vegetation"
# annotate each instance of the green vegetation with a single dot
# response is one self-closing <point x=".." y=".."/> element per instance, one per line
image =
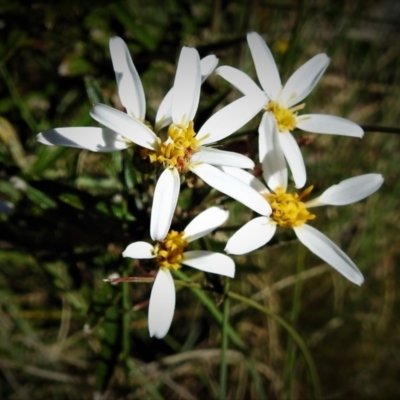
<point x="288" y="326"/>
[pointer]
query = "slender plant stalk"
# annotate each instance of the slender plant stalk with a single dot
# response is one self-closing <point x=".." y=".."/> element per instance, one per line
<point x="290" y="362"/>
<point x="224" y="344"/>
<point x="151" y="387"/>
<point x="126" y="306"/>
<point x="231" y="333"/>
<point x="25" y="113"/>
<point x="295" y="336"/>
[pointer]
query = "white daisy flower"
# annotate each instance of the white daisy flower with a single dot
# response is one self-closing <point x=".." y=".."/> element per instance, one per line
<point x="290" y="210"/>
<point x="282" y="106"/>
<point x="184" y="150"/>
<point x="169" y="254"/>
<point x="132" y="97"/>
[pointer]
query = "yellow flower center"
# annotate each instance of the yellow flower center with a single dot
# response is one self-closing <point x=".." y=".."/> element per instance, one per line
<point x="285" y="117"/>
<point x="178" y="149"/>
<point x="287" y="209"/>
<point x="169" y="252"/>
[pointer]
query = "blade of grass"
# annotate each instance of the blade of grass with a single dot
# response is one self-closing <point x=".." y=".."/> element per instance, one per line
<point x="290" y="361"/>
<point x="224" y="344"/>
<point x="295" y="336"/>
<point x="126" y="307"/>
<point x="25" y="113"/>
<point x="231" y="333"/>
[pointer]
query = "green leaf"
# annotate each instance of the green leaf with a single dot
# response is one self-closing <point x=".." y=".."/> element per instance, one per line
<point x="93" y="91"/>
<point x="75" y="65"/>
<point x="40" y="198"/>
<point x="140" y="32"/>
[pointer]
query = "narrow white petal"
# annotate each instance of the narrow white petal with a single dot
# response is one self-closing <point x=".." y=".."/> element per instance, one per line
<point x="125" y="125"/>
<point x="302" y="82"/>
<point x="232" y="187"/>
<point x="264" y="62"/>
<point x="231" y="118"/>
<point x="186" y="93"/>
<point x="207" y="66"/>
<point x="89" y="138"/>
<point x="239" y="79"/>
<point x="251" y="236"/>
<point x="139" y="250"/>
<point x="221" y="157"/>
<point x="294" y="158"/>
<point x="164" y="113"/>
<point x="162" y="304"/>
<point x="130" y="87"/>
<point x="164" y="203"/>
<point x="247" y="178"/>
<point x="348" y="191"/>
<point x="208" y="261"/>
<point x="324" y="248"/>
<point x="321" y="123"/>
<point x="205" y="222"/>
<point x="271" y="155"/>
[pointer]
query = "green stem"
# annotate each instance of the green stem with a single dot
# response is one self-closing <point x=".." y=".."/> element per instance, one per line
<point x="224" y="344"/>
<point x="25" y="113"/>
<point x="126" y="307"/>
<point x="150" y="386"/>
<point x="208" y="303"/>
<point x="231" y="333"/>
<point x="289" y="369"/>
<point x="295" y="336"/>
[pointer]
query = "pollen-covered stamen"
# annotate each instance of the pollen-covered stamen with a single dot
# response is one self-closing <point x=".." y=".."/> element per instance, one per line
<point x="177" y="150"/>
<point x="285" y="117"/>
<point x="169" y="252"/>
<point x="287" y="209"/>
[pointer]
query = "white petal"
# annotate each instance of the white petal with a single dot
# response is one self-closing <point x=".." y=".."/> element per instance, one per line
<point x="324" y="248"/>
<point x="207" y="66"/>
<point x="294" y="158"/>
<point x="164" y="113"/>
<point x="247" y="178"/>
<point x="205" y="223"/>
<point x="6" y="207"/>
<point x="321" y="123"/>
<point x="348" y="191"/>
<point x="162" y="304"/>
<point x="208" y="261"/>
<point x="264" y="62"/>
<point x="130" y="87"/>
<point x="239" y="79"/>
<point x="251" y="236"/>
<point x="232" y="187"/>
<point x="186" y="94"/>
<point x="271" y="155"/>
<point x="89" y="138"/>
<point x="125" y="125"/>
<point x="164" y="203"/>
<point x="139" y="250"/>
<point x="231" y="118"/>
<point x="302" y="82"/>
<point x="221" y="157"/>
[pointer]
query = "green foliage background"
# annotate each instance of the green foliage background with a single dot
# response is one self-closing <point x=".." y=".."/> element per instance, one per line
<point x="66" y="334"/>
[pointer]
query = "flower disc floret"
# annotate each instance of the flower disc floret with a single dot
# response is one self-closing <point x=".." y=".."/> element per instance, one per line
<point x="169" y="252"/>
<point x="287" y="209"/>
<point x="285" y="117"/>
<point x="178" y="149"/>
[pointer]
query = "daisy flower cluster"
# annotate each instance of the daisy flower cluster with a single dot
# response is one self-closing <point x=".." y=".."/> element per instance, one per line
<point x="176" y="146"/>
